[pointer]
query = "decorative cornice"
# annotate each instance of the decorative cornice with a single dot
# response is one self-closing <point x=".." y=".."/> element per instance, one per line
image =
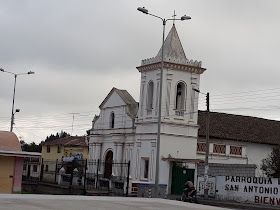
<point x="171" y="60"/>
<point x="167" y="134"/>
<point x="174" y="66"/>
<point x="170" y="123"/>
<point x="118" y="143"/>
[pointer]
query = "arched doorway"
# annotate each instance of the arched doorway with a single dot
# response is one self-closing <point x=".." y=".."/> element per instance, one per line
<point x="108" y="164"/>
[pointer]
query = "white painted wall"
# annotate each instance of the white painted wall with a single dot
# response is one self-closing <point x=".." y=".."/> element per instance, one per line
<point x="114" y="104"/>
<point x="253" y="153"/>
<point x="113" y="101"/>
<point x="256" y="153"/>
<point x="257" y="190"/>
<point x="179" y="133"/>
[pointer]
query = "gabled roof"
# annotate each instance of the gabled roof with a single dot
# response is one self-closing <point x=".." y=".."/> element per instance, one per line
<point x="68" y="141"/>
<point x="127" y="98"/>
<point x="240" y="128"/>
<point x="173" y="49"/>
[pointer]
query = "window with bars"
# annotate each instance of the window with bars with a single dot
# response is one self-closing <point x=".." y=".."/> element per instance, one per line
<point x="236" y="150"/>
<point x="219" y="148"/>
<point x="58" y="149"/>
<point x="35" y="167"/>
<point x="144" y="168"/>
<point x="201" y="147"/>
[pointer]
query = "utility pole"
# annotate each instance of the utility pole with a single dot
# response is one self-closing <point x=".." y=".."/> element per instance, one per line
<point x="17" y="110"/>
<point x="206" y="166"/>
<point x="145" y="11"/>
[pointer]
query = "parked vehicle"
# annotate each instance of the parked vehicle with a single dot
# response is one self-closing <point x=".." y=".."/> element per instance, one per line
<point x="189" y="193"/>
<point x="191" y="199"/>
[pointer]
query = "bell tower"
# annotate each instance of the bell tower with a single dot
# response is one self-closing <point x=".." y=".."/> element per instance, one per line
<point x="179" y="106"/>
<point x="180" y="76"/>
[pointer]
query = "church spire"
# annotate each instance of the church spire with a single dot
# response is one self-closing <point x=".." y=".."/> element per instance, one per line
<point x="173" y="49"/>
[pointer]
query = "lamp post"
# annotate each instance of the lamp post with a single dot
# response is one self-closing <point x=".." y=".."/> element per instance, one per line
<point x="17" y="110"/>
<point x="206" y="164"/>
<point x="145" y="11"/>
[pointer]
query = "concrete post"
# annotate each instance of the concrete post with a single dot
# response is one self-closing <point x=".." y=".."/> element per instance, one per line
<point x="61" y="172"/>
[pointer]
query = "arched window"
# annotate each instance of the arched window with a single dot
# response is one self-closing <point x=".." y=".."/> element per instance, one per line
<point x="112" y="120"/>
<point x="150" y="95"/>
<point x="180" y="96"/>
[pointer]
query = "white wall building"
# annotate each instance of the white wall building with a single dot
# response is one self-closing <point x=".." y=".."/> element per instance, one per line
<point x="237" y="139"/>
<point x="127" y="131"/>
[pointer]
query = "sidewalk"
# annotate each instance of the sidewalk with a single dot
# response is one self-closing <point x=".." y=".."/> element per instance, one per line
<point x="228" y="204"/>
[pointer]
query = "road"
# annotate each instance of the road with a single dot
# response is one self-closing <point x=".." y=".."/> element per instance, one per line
<point x="67" y="202"/>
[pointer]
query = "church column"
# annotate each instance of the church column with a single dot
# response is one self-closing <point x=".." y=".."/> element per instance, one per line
<point x="93" y="152"/>
<point x="90" y="157"/>
<point x="89" y="151"/>
<point x="119" y="152"/>
<point x="118" y="158"/>
<point x="91" y="165"/>
<point x="128" y="156"/>
<point x="98" y="151"/>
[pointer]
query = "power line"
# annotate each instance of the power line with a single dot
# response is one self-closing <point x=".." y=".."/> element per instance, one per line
<point x="249" y="91"/>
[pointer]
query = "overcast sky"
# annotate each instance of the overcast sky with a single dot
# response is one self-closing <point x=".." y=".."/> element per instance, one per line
<point x="79" y="50"/>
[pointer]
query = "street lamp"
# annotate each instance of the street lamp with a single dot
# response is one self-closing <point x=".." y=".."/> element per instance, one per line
<point x="145" y="11"/>
<point x="17" y="110"/>
<point x="206" y="165"/>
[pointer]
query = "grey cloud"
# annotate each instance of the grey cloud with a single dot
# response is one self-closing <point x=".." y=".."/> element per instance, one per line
<point x="79" y="51"/>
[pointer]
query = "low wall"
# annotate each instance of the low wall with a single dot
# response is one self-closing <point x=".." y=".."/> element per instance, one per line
<point x="257" y="190"/>
<point x="45" y="188"/>
<point x="147" y="190"/>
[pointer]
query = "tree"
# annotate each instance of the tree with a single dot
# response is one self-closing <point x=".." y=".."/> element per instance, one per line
<point x="271" y="164"/>
<point x="31" y="147"/>
<point x="60" y="135"/>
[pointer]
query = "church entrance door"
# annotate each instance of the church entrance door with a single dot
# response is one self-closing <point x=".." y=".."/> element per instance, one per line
<point x="180" y="175"/>
<point x="108" y="164"/>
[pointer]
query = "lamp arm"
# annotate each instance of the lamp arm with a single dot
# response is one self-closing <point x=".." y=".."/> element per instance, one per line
<point x="156" y="16"/>
<point x="9" y="72"/>
<point x="173" y="19"/>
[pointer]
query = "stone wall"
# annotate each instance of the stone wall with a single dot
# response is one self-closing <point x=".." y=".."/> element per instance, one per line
<point x="218" y="169"/>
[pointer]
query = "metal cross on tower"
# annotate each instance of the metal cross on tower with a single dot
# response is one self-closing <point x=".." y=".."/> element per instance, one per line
<point x="174" y="17"/>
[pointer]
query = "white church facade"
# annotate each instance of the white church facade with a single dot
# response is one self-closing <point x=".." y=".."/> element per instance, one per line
<point x="126" y="131"/>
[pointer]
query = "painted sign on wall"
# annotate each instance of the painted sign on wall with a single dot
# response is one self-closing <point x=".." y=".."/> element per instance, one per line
<point x="211" y="184"/>
<point x="259" y="190"/>
<point x="71" y="153"/>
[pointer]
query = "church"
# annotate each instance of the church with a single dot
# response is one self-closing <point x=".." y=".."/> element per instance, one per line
<point x="126" y="131"/>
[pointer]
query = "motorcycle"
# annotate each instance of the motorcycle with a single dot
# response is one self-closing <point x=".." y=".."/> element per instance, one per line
<point x="191" y="197"/>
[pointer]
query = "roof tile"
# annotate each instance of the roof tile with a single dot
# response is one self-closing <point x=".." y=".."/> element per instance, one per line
<point x="68" y="141"/>
<point x="240" y="128"/>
